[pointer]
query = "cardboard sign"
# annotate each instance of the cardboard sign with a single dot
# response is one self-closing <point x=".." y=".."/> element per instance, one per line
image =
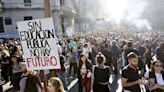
<point x="38" y="41"/>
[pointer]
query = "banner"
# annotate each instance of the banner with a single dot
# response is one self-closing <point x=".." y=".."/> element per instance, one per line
<point x="38" y="41"/>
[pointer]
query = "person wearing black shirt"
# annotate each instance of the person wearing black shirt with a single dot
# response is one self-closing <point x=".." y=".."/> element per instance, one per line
<point x="148" y="55"/>
<point x="4" y="61"/>
<point x="107" y="55"/>
<point x="115" y="55"/>
<point x="128" y="50"/>
<point x="160" y="53"/>
<point x="130" y="77"/>
<point x="136" y="51"/>
<point x="101" y="74"/>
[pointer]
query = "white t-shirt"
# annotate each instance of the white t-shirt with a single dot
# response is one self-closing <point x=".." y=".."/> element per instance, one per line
<point x="83" y="69"/>
<point x="159" y="78"/>
<point x="86" y="51"/>
<point x="146" y="75"/>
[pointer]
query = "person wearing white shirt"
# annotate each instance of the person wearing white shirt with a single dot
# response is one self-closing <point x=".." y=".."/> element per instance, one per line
<point x="156" y="77"/>
<point x="86" y="50"/>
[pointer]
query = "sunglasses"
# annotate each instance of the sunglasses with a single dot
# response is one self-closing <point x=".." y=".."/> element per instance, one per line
<point x="158" y="65"/>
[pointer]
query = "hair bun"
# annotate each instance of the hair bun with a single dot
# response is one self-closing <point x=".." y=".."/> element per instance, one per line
<point x="100" y="54"/>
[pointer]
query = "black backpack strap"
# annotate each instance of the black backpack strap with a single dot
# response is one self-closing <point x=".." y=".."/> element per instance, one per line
<point x="162" y="74"/>
<point x="152" y="75"/>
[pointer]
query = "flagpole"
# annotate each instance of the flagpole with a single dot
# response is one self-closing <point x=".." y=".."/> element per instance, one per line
<point x="47" y="13"/>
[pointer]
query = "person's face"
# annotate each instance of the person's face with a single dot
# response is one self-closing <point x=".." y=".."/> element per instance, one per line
<point x="50" y="87"/>
<point x="134" y="62"/>
<point x="138" y="44"/>
<point x="83" y="58"/>
<point x="73" y="49"/>
<point x="2" y="53"/>
<point x="146" y="42"/>
<point x="157" y="66"/>
<point x="14" y="59"/>
<point x="9" y="42"/>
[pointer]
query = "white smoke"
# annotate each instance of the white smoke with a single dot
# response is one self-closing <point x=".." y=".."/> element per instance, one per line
<point x="134" y="12"/>
<point x="127" y="11"/>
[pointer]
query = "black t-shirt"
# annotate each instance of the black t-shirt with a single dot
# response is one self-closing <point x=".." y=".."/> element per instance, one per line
<point x="148" y="55"/>
<point x="141" y="50"/>
<point x="160" y="54"/>
<point x="132" y="75"/>
<point x="4" y="59"/>
<point x="108" y="57"/>
<point x="62" y="63"/>
<point x="101" y="75"/>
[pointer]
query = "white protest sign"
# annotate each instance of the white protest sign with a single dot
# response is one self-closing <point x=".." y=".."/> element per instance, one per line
<point x="38" y="41"/>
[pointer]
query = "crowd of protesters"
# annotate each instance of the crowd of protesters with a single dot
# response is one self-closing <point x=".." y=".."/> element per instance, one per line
<point x="93" y="57"/>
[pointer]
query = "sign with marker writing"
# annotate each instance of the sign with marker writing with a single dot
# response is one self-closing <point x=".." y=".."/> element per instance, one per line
<point x="38" y="41"/>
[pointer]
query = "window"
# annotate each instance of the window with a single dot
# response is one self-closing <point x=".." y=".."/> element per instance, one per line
<point x="8" y="21"/>
<point x="27" y="2"/>
<point x="61" y="2"/>
<point x="28" y="18"/>
<point x="1" y="25"/>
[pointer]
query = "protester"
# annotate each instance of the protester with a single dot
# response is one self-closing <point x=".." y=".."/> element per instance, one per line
<point x="148" y="55"/>
<point x="101" y="74"/>
<point x="72" y="43"/>
<point x="64" y="47"/>
<point x="108" y="55"/>
<point x="130" y="78"/>
<point x="156" y="77"/>
<point x="12" y="48"/>
<point x="2" y="82"/>
<point x="87" y="51"/>
<point x="129" y="48"/>
<point x="55" y="85"/>
<point x="160" y="53"/>
<point x="5" y="61"/>
<point x="61" y="72"/>
<point x="73" y="57"/>
<point x="16" y="72"/>
<point x="84" y="73"/>
<point x="29" y="81"/>
<point x="115" y="55"/>
<point x="95" y="51"/>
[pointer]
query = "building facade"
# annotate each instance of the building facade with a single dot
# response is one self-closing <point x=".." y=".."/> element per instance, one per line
<point x="13" y="11"/>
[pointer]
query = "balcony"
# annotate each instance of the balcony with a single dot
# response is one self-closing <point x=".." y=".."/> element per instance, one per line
<point x="64" y="10"/>
<point x="23" y="6"/>
<point x="1" y="8"/>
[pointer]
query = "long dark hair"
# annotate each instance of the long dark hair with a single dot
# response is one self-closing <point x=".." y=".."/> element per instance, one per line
<point x="87" y="62"/>
<point x="31" y="82"/>
<point x="154" y="62"/>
